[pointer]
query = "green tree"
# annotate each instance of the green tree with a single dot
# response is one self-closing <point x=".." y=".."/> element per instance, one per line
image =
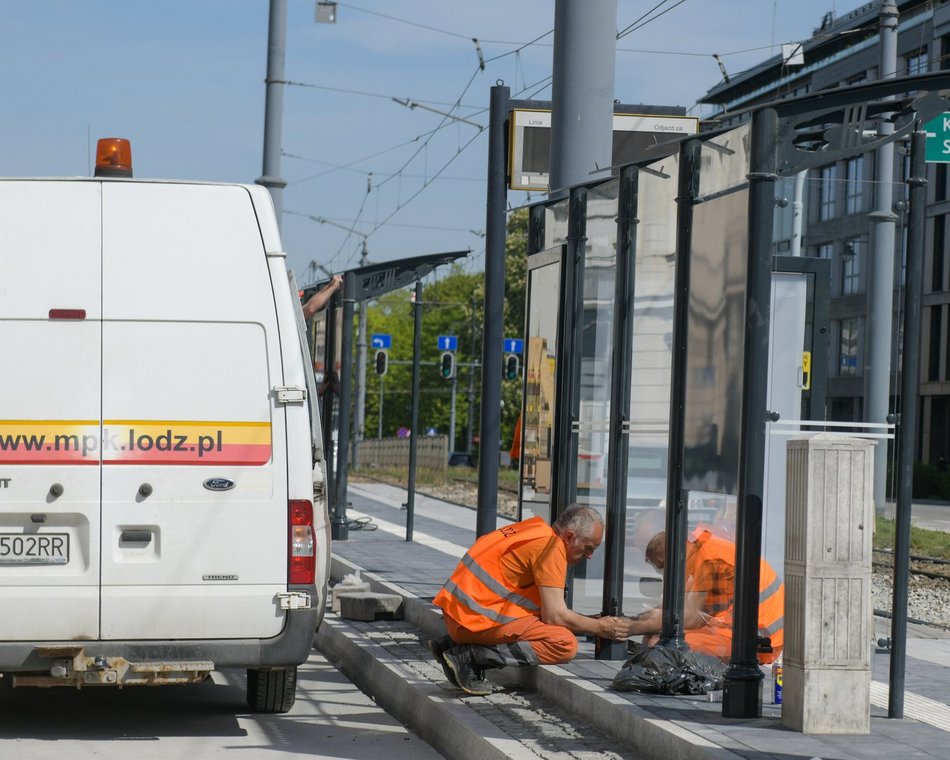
<point x="452" y="305"/>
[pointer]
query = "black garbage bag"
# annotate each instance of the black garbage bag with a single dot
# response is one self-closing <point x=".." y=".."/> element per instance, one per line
<point x="667" y="670"/>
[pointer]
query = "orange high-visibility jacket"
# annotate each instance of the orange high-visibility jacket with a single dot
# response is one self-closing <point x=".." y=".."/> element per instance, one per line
<point x="477" y="596"/>
<point x="719" y="602"/>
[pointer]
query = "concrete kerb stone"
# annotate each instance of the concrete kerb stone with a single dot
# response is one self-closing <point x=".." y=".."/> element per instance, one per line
<point x="338" y="591"/>
<point x="628" y="723"/>
<point x="445" y="722"/>
<point x="370" y="606"/>
<point x="632" y="725"/>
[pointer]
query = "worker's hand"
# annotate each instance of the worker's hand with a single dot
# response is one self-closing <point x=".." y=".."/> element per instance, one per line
<point x="335" y="282"/>
<point x="612" y="628"/>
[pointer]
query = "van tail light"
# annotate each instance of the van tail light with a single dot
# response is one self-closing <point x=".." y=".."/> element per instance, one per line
<point x="303" y="555"/>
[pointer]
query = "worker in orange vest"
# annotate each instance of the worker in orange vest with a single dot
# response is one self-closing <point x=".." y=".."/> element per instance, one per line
<point x="504" y="603"/>
<point x="710" y="593"/>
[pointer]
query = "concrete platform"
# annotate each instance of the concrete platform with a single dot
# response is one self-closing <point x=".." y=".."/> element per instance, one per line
<point x="570" y="710"/>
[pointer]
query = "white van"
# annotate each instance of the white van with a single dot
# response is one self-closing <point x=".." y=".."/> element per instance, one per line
<point x="162" y="500"/>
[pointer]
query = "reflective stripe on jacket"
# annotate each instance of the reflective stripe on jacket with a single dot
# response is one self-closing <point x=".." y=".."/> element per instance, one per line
<point x="719" y="602"/>
<point x="477" y="595"/>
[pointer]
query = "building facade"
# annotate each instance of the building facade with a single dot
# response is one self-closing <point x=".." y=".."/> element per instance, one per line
<point x="836" y="200"/>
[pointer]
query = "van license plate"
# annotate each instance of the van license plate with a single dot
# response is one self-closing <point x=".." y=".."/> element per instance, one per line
<point x="34" y="548"/>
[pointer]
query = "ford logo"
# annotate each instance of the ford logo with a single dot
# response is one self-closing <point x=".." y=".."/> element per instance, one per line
<point x="218" y="484"/>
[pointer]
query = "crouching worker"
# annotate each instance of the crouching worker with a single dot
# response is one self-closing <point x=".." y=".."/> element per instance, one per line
<point x="504" y="603"/>
<point x="710" y="596"/>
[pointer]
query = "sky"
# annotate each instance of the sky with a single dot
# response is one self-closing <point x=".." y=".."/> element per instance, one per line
<point x="184" y="81"/>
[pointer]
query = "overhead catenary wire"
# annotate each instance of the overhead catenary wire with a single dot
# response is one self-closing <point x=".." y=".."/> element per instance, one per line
<point x="455" y="106"/>
<point x="643" y="20"/>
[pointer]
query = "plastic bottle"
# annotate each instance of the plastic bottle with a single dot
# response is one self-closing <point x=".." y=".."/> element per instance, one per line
<point x="778" y="673"/>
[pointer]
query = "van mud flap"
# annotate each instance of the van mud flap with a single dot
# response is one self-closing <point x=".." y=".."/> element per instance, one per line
<point x="69" y="666"/>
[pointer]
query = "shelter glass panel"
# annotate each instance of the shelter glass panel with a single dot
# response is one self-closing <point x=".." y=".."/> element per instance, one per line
<point x="718" y="256"/>
<point x="724" y="161"/>
<point x="648" y="458"/>
<point x="540" y="365"/>
<point x="596" y="349"/>
<point x="555" y="224"/>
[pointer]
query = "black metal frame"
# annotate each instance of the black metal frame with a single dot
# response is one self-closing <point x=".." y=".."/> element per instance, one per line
<point x="359" y="285"/>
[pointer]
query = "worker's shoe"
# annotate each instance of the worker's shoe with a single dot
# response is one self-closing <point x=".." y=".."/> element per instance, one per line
<point x="469" y="677"/>
<point x="438" y="647"/>
<point x="516" y="655"/>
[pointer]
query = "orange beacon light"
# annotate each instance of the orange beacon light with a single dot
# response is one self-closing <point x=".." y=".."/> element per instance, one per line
<point x="113" y="157"/>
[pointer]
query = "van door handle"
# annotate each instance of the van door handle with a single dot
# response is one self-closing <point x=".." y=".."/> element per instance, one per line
<point x="135" y="537"/>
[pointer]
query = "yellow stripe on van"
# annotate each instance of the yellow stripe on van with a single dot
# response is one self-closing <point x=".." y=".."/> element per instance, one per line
<point x="182" y="442"/>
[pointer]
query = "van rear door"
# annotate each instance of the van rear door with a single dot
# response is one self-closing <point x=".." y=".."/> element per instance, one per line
<point x="194" y="486"/>
<point x="49" y="410"/>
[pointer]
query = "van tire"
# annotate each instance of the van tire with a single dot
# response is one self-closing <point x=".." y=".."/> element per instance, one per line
<point x="271" y="691"/>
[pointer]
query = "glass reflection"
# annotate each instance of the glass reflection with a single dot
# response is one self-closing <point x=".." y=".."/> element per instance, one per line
<point x="718" y="253"/>
<point x="648" y="458"/>
<point x="540" y="363"/>
<point x="555" y="224"/>
<point x="724" y="161"/>
<point x="596" y="349"/>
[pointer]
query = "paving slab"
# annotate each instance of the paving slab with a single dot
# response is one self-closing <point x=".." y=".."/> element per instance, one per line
<point x="632" y="724"/>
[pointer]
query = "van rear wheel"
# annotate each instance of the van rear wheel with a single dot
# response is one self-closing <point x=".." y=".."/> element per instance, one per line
<point x="271" y="691"/>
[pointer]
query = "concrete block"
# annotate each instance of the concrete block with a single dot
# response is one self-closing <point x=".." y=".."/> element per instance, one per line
<point x="826" y="700"/>
<point x="341" y="589"/>
<point x="369" y="606"/>
<point x="828" y="623"/>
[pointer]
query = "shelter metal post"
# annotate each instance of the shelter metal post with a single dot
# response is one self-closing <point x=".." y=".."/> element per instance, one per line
<point x="674" y="570"/>
<point x="339" y="529"/>
<point x="741" y="692"/>
<point x="329" y="370"/>
<point x="619" y="433"/>
<point x="907" y="429"/>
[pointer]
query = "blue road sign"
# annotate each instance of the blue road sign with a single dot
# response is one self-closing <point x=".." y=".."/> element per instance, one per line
<point x="514" y="345"/>
<point x="448" y="342"/>
<point x="381" y="341"/>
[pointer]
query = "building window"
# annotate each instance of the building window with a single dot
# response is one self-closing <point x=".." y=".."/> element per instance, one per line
<point x="854" y="192"/>
<point x="857" y="78"/>
<point x="936" y="272"/>
<point x="936" y="321"/>
<point x="940" y="182"/>
<point x="851" y="267"/>
<point x="827" y="189"/>
<point x="825" y="251"/>
<point x="916" y="62"/>
<point x="848" y="347"/>
<point x="945" y="52"/>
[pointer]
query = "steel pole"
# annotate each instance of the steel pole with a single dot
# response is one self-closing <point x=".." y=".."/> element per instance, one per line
<point x="274" y="105"/>
<point x="414" y="409"/>
<point x="880" y="311"/>
<point x="495" y="232"/>
<point x="360" y="421"/>
<point x="582" y="92"/>
<point x="907" y="429"/>
<point x="455" y="380"/>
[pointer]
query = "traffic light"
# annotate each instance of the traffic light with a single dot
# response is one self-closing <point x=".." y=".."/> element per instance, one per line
<point x="382" y="362"/>
<point x="511" y="367"/>
<point x="447" y="365"/>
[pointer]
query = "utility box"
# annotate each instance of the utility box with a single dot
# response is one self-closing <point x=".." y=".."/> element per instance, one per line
<point x="828" y="530"/>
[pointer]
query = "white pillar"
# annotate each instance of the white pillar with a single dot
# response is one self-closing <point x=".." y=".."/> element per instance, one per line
<point x="828" y="627"/>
